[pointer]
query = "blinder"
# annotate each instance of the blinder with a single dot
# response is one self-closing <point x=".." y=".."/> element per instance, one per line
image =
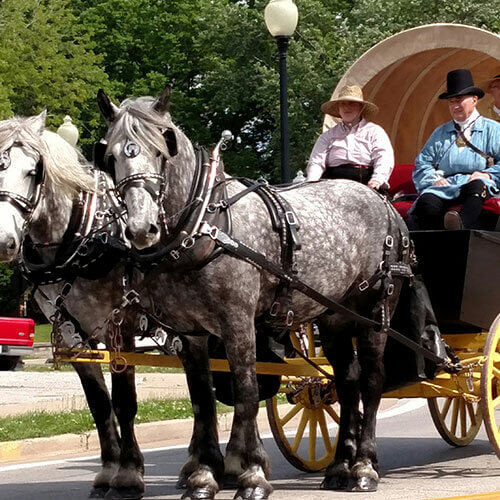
<point x="170" y="141"/>
<point x="100" y="161"/>
<point x="25" y="205"/>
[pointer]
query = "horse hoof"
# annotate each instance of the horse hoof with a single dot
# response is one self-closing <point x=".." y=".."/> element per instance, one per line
<point x="124" y="494"/>
<point x="230" y="481"/>
<point x="98" y="492"/>
<point x="181" y="483"/>
<point x="199" y="494"/>
<point x="365" y="484"/>
<point x="257" y="493"/>
<point x="338" y="483"/>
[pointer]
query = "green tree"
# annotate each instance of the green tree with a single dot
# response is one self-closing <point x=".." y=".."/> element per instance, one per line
<point x="47" y="60"/>
<point x="224" y="64"/>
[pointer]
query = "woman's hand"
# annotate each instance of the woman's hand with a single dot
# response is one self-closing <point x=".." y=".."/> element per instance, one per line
<point x="374" y="184"/>
<point x="441" y="182"/>
<point x="479" y="175"/>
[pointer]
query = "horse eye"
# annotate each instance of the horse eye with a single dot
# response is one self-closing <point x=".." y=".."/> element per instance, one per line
<point x="131" y="149"/>
<point x="4" y="160"/>
<point x="32" y="172"/>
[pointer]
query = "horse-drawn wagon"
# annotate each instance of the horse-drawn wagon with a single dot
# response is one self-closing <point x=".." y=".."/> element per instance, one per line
<point x="148" y="155"/>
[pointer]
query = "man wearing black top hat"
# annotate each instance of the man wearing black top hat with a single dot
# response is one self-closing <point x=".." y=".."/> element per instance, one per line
<point x="459" y="164"/>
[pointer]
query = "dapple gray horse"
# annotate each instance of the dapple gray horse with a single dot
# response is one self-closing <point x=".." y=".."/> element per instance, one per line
<point x="40" y="176"/>
<point x="343" y="229"/>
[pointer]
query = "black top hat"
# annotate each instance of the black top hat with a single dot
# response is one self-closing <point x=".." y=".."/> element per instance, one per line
<point x="459" y="82"/>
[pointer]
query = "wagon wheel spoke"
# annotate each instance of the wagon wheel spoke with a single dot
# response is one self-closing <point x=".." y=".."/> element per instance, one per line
<point x="286" y="418"/>
<point x="446" y="408"/>
<point x="300" y="430"/>
<point x="332" y="414"/>
<point x="472" y="415"/>
<point x="454" y="416"/>
<point x="463" y="418"/>
<point x="324" y="432"/>
<point x="312" y="437"/>
<point x="496" y="372"/>
<point x="496" y="402"/>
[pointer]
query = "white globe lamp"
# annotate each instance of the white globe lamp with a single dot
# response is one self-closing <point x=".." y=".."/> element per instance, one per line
<point x="68" y="131"/>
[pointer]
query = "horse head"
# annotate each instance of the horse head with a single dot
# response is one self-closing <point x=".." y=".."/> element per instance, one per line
<point x="33" y="162"/>
<point x="144" y="152"/>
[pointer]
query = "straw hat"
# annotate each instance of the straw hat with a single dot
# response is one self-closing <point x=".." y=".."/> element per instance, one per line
<point x="485" y="84"/>
<point x="351" y="93"/>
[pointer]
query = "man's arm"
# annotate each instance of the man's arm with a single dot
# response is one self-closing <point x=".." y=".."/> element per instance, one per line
<point x="424" y="174"/>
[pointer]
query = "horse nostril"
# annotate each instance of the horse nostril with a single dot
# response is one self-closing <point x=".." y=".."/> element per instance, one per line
<point x="153" y="229"/>
<point x="128" y="234"/>
<point x="11" y="244"/>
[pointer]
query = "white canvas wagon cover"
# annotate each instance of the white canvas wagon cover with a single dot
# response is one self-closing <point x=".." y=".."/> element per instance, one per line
<point x="405" y="73"/>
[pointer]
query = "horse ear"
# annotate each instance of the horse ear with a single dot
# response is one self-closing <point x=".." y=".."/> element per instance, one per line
<point x="162" y="103"/>
<point x="38" y="122"/>
<point x="171" y="141"/>
<point x="106" y="107"/>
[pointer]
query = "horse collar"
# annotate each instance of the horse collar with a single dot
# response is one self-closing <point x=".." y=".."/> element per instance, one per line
<point x="84" y="244"/>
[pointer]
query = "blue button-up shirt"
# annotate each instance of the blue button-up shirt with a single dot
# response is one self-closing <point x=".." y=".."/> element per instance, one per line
<point x="455" y="163"/>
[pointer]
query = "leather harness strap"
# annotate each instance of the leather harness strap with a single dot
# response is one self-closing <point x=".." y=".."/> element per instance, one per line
<point x="241" y="251"/>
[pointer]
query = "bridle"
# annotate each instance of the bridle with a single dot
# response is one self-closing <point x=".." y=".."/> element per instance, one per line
<point x="207" y="176"/>
<point x="153" y="183"/>
<point x="25" y="205"/>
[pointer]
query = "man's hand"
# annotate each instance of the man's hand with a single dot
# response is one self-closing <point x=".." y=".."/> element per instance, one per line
<point x="479" y="175"/>
<point x="374" y="184"/>
<point x="441" y="182"/>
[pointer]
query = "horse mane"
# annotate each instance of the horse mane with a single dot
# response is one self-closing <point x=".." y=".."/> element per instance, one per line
<point x="140" y="122"/>
<point x="66" y="169"/>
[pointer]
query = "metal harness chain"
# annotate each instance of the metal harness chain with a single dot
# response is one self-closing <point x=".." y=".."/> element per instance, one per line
<point x="118" y="363"/>
<point x="469" y="382"/>
<point x="114" y="323"/>
<point x="57" y="320"/>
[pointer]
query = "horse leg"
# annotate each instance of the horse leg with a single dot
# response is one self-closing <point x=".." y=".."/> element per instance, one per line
<point x="203" y="472"/>
<point x="128" y="482"/>
<point x="246" y="455"/>
<point x="371" y="347"/>
<point x="100" y="406"/>
<point x="336" y="341"/>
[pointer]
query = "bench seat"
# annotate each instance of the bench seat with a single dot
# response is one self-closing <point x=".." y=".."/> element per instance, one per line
<point x="401" y="183"/>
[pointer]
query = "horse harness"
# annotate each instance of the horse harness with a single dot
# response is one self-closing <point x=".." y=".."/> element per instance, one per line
<point x="90" y="248"/>
<point x="204" y="232"/>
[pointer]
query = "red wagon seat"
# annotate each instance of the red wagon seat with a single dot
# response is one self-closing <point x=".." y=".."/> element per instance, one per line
<point x="401" y="182"/>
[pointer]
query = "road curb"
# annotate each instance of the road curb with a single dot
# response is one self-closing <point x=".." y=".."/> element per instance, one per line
<point x="168" y="433"/>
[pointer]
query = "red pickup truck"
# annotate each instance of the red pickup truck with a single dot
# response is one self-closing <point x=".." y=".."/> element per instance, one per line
<point x="16" y="340"/>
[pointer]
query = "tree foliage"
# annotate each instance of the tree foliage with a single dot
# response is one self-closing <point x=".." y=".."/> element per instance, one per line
<point x="47" y="60"/>
<point x="217" y="53"/>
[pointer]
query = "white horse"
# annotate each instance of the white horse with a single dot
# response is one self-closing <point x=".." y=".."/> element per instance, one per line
<point x="44" y="182"/>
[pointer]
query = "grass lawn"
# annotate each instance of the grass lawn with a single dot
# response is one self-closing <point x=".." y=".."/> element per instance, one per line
<point x="42" y="333"/>
<point x="43" y="424"/>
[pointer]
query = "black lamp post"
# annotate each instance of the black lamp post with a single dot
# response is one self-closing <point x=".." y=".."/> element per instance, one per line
<point x="281" y="18"/>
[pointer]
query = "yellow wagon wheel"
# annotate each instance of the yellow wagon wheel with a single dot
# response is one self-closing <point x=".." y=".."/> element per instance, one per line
<point x="310" y="412"/>
<point x="490" y="386"/>
<point x="458" y="421"/>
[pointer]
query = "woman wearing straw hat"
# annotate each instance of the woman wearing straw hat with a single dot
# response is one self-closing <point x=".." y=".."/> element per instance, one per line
<point x="492" y="86"/>
<point x="460" y="163"/>
<point x="355" y="148"/>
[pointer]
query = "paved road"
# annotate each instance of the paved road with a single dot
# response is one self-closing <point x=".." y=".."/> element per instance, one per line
<point x="416" y="464"/>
